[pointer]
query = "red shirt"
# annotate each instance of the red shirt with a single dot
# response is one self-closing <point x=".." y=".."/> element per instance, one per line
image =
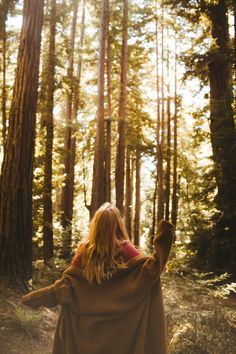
<point x="129" y="251"/>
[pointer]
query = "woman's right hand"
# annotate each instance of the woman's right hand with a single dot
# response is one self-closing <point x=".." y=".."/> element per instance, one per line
<point x="165" y="228"/>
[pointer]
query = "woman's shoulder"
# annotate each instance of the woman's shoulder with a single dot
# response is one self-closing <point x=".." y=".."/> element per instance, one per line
<point x="129" y="250"/>
<point x="127" y="243"/>
<point x="77" y="257"/>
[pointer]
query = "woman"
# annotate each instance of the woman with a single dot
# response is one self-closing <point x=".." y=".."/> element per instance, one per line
<point x="107" y="247"/>
<point x="110" y="297"/>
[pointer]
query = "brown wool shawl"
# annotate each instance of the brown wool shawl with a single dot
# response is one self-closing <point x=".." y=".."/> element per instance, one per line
<point x="123" y="315"/>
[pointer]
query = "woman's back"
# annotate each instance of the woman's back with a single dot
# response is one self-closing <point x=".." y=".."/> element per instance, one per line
<point x="128" y="251"/>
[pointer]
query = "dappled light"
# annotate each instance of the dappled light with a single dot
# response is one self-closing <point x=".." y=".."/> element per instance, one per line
<point x="118" y="159"/>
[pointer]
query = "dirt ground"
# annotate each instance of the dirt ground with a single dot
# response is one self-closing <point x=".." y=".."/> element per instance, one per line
<point x="24" y="331"/>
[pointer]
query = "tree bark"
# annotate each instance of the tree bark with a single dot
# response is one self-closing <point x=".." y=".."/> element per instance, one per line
<point x="17" y="168"/>
<point x="120" y="158"/>
<point x="5" y="7"/>
<point x="158" y="126"/>
<point x="160" y="147"/>
<point x="48" y="119"/>
<point x="154" y="211"/>
<point x="175" y="143"/>
<point x="223" y="136"/>
<point x="68" y="188"/>
<point x="4" y="92"/>
<point x="77" y="84"/>
<point x="168" y="142"/>
<point x="234" y="60"/>
<point x="76" y="104"/>
<point x="98" y="186"/>
<point x="128" y="193"/>
<point x="222" y="126"/>
<point x="75" y="109"/>
<point x="137" y="200"/>
<point x="109" y="117"/>
<point x="157" y="190"/>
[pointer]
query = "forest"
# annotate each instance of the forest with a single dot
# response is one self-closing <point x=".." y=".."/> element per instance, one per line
<point x="131" y="102"/>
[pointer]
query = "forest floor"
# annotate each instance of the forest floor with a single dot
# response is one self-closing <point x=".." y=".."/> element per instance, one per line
<point x="197" y="322"/>
<point x="22" y="330"/>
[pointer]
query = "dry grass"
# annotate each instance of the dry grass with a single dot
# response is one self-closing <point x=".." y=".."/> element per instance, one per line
<point x="201" y="319"/>
<point x="22" y="330"/>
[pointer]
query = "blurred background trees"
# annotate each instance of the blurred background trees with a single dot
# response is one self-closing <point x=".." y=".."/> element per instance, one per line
<point x="136" y="105"/>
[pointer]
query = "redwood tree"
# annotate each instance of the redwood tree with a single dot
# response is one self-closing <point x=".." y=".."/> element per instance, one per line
<point x="17" y="168"/>
<point x="120" y="158"/>
<point x="137" y="198"/>
<point x="3" y="36"/>
<point x="98" y="186"/>
<point x="223" y="134"/>
<point x="174" y="208"/>
<point x="48" y="121"/>
<point x="158" y="186"/>
<point x="5" y="7"/>
<point x="168" y="142"/>
<point x="160" y="144"/>
<point x="68" y="188"/>
<point x="108" y="116"/>
<point x="129" y="192"/>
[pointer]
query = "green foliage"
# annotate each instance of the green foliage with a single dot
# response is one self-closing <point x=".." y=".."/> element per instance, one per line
<point x="198" y="315"/>
<point x="20" y="319"/>
<point x="197" y="320"/>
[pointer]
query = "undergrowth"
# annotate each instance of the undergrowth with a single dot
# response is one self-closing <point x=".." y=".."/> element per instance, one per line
<point x="200" y="312"/>
<point x="18" y="318"/>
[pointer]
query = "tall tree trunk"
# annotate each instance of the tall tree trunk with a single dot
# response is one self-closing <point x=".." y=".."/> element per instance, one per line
<point x="68" y="188"/>
<point x="76" y="104"/>
<point x="98" y="187"/>
<point x="168" y="143"/>
<point x="48" y="119"/>
<point x="137" y="199"/>
<point x="175" y="162"/>
<point x="4" y="92"/>
<point x="77" y="83"/>
<point x="154" y="211"/>
<point x="160" y="210"/>
<point x="75" y="108"/>
<point x="221" y="119"/>
<point x="120" y="158"/>
<point x="17" y="168"/>
<point x="157" y="190"/>
<point x="128" y="193"/>
<point x="108" y="118"/>
<point x="234" y="60"/>
<point x="5" y="7"/>
<point x="79" y="63"/>
<point x="234" y="4"/>
<point x="223" y="137"/>
<point x="157" y="81"/>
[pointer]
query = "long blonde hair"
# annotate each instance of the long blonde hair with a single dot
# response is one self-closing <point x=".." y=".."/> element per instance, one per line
<point x="101" y="253"/>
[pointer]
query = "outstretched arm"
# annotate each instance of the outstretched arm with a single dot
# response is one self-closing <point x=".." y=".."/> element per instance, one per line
<point x="163" y="241"/>
<point x="50" y="296"/>
<point x="42" y="297"/>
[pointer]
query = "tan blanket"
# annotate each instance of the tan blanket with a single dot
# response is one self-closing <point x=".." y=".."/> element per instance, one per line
<point x="124" y="315"/>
